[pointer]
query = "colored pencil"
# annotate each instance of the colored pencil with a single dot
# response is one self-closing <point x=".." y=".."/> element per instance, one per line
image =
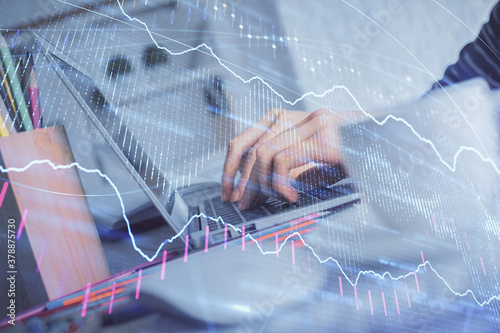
<point x="5" y="121"/>
<point x="17" y="93"/>
<point x="8" y="100"/>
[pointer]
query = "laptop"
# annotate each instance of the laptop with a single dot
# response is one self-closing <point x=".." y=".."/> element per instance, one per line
<point x="195" y="211"/>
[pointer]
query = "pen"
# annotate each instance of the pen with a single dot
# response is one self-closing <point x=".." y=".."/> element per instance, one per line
<point x="21" y="70"/>
<point x="34" y="95"/>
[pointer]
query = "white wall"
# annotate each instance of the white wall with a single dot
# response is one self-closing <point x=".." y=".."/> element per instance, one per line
<point x="421" y="39"/>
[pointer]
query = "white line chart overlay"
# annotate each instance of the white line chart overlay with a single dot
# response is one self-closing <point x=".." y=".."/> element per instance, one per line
<point x="352" y="282"/>
<point x="452" y="166"/>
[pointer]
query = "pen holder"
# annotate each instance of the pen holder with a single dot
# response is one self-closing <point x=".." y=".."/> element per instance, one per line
<point x="56" y="215"/>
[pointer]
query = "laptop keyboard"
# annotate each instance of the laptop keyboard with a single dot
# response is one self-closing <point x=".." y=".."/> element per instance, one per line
<point x="230" y="212"/>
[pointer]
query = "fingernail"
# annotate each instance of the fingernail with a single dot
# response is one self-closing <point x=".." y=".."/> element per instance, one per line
<point x="223" y="196"/>
<point x="235" y="196"/>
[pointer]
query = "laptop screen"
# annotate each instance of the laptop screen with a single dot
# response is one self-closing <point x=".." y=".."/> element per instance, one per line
<point x="148" y="165"/>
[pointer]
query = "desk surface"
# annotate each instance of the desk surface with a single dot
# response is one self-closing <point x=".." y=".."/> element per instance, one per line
<point x="423" y="302"/>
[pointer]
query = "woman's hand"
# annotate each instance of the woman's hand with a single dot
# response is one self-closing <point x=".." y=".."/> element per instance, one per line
<point x="274" y="151"/>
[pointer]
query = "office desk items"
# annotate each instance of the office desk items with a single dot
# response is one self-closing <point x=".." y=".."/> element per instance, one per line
<point x="10" y="71"/>
<point x="118" y="66"/>
<point x="6" y="95"/>
<point x="55" y="212"/>
<point x="154" y="56"/>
